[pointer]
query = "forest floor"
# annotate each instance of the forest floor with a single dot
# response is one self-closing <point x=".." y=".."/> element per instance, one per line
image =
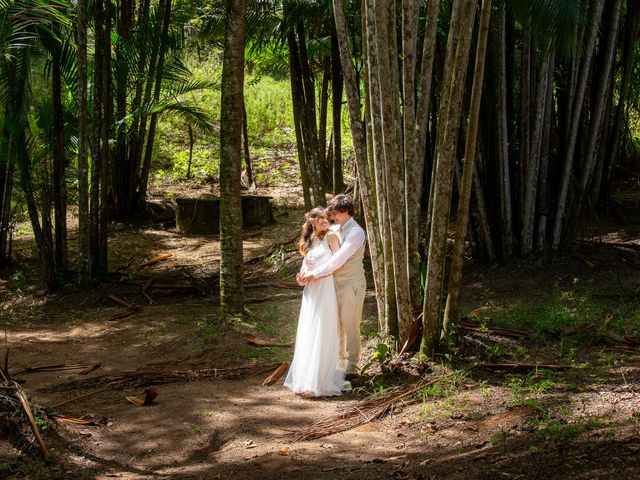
<point x="476" y="423"/>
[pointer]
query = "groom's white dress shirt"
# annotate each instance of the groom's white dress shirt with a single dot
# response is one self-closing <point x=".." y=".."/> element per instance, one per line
<point x="353" y="238"/>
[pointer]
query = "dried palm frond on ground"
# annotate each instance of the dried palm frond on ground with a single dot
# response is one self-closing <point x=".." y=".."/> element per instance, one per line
<point x="367" y="410"/>
<point x="18" y="419"/>
<point x="142" y="379"/>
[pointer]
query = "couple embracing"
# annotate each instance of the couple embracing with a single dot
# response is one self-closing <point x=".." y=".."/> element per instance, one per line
<point x="327" y="346"/>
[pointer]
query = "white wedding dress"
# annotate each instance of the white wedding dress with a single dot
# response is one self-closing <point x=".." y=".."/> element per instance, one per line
<point x="314" y="369"/>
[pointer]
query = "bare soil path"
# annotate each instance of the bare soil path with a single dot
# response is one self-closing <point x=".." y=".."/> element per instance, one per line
<point x="579" y="423"/>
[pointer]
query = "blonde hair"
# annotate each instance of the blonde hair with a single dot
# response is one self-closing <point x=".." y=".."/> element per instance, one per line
<point x="308" y="233"/>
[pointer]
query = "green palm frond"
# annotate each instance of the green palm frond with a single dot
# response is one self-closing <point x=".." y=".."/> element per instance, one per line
<point x="191" y="114"/>
<point x="190" y="86"/>
<point x="553" y="22"/>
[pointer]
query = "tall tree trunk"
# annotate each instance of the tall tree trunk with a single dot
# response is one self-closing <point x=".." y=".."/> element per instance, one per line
<point x="387" y="297"/>
<point x="576" y="116"/>
<point x="6" y="189"/>
<point x="542" y="194"/>
<point x="393" y="163"/>
<point x="231" y="268"/>
<point x="506" y="215"/>
<point x="298" y="108"/>
<point x="412" y="166"/>
<point x="84" y="258"/>
<point x="125" y="186"/>
<point x="418" y="137"/>
<point x="97" y="145"/>
<point x="597" y="114"/>
<point x="336" y="114"/>
<point x="632" y="26"/>
<point x="322" y="127"/>
<point x="143" y="179"/>
<point x="462" y="217"/>
<point x="446" y="158"/>
<point x="105" y="164"/>
<point x="59" y="166"/>
<point x="533" y="162"/>
<point x="367" y="194"/>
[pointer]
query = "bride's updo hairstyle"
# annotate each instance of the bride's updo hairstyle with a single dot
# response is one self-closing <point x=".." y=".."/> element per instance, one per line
<point x="307" y="235"/>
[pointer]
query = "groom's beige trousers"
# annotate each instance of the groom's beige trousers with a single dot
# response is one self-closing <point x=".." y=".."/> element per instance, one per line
<point x="350" y="297"/>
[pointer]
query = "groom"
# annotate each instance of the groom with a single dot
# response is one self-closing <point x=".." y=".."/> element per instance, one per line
<point x="348" y="275"/>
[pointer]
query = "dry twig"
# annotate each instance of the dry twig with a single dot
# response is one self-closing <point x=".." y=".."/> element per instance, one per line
<point x="141" y="379"/>
<point x="365" y="411"/>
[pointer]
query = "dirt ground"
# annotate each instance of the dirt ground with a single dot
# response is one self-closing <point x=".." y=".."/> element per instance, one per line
<point x="586" y="425"/>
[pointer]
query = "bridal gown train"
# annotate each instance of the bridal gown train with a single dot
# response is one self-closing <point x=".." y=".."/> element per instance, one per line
<point x="314" y="369"/>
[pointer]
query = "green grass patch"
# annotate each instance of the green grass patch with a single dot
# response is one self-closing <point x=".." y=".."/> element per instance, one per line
<point x="575" y="317"/>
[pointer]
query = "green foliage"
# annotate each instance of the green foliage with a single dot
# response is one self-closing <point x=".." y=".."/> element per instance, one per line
<point x="550" y="429"/>
<point x="208" y="328"/>
<point x="446" y="387"/>
<point x="532" y="385"/>
<point x="572" y="316"/>
<point x="380" y="356"/>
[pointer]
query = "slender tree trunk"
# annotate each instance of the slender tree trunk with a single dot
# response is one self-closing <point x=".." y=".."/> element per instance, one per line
<point x="462" y="217"/>
<point x="367" y="194"/>
<point x="393" y="164"/>
<point x="298" y="108"/>
<point x="105" y="164"/>
<point x="231" y="268"/>
<point x="336" y="112"/>
<point x="506" y="215"/>
<point x="322" y="128"/>
<point x="387" y="303"/>
<point x="125" y="186"/>
<point x="483" y="216"/>
<point x="59" y="166"/>
<point x="418" y="137"/>
<point x="245" y="142"/>
<point x="412" y="165"/>
<point x="84" y="259"/>
<point x="542" y="194"/>
<point x="446" y="158"/>
<point x="597" y="115"/>
<point x="310" y="126"/>
<point x="533" y="163"/>
<point x="574" y="124"/>
<point x="97" y="145"/>
<point x="632" y="26"/>
<point x="143" y="181"/>
<point x="6" y="190"/>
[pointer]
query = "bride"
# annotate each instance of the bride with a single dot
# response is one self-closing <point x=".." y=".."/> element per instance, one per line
<point x="314" y="370"/>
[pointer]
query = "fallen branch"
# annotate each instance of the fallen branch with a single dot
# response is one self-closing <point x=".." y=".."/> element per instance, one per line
<point x="22" y="397"/>
<point x="122" y="314"/>
<point x="142" y="379"/>
<point x="505" y="332"/>
<point x="122" y="303"/>
<point x="277" y="373"/>
<point x="520" y="367"/>
<point x="363" y="412"/>
<point x="259" y="342"/>
<point x="85" y="367"/>
<point x="79" y="397"/>
<point x="155" y="260"/>
<point x="161" y="286"/>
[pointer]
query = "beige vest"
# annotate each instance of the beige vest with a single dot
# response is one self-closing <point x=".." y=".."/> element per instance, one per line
<point x="353" y="270"/>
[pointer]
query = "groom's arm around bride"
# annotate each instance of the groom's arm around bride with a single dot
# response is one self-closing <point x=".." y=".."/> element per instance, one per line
<point x="347" y="268"/>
